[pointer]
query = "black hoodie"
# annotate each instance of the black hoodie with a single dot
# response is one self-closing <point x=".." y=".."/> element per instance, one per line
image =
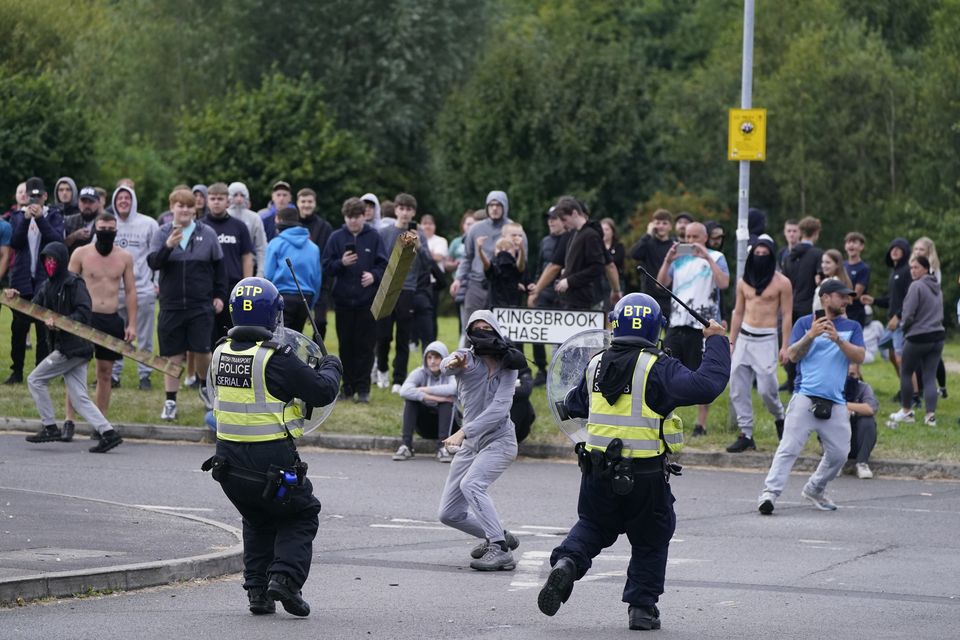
<point x="65" y="293"/>
<point x="899" y="281"/>
<point x="801" y="266"/>
<point x="583" y="266"/>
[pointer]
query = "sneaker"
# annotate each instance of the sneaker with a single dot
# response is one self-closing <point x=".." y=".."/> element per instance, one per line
<point x="779" y="425"/>
<point x="363" y="397"/>
<point x="540" y="379"/>
<point x="94" y="434"/>
<point x="382" y="379"/>
<point x="48" y="433"/>
<point x="494" y="559"/>
<point x="169" y="410"/>
<point x="281" y="588"/>
<point x="819" y="500"/>
<point x="743" y="443"/>
<point x="204" y="394"/>
<point x="109" y="440"/>
<point x="699" y="431"/>
<point x="930" y="420"/>
<point x="512" y="543"/>
<point x="644" y="617"/>
<point x="556" y="590"/>
<point x="443" y="455"/>
<point x="114" y="382"/>
<point x="403" y="453"/>
<point x="68" y="429"/>
<point x="863" y="471"/>
<point x="943" y="392"/>
<point x="395" y="389"/>
<point x="765" y="503"/>
<point x="188" y="382"/>
<point x="260" y="603"/>
<point x="901" y="416"/>
<point x="145" y="384"/>
<point x="15" y="378"/>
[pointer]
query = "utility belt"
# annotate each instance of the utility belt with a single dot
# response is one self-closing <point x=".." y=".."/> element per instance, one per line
<point x="277" y="481"/>
<point x="610" y="465"/>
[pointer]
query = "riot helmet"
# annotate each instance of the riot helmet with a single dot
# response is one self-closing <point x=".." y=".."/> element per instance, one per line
<point x="255" y="302"/>
<point x="637" y="314"/>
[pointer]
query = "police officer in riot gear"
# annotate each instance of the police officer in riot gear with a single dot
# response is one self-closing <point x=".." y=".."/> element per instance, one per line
<point x="255" y="382"/>
<point x="628" y="396"/>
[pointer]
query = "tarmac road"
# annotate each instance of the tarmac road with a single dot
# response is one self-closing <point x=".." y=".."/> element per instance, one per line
<point x="885" y="565"/>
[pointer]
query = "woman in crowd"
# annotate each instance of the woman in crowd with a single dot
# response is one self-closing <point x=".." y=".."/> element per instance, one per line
<point x="455" y="254"/>
<point x="611" y="241"/>
<point x="925" y="247"/>
<point x="831" y="268"/>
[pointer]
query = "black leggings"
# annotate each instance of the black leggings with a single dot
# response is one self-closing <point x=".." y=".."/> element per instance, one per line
<point x="920" y="357"/>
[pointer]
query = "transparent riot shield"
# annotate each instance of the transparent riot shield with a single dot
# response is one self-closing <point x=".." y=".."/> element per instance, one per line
<point x="566" y="370"/>
<point x="307" y="351"/>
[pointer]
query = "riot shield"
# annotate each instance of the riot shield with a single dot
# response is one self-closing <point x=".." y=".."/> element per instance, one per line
<point x="566" y="370"/>
<point x="307" y="351"/>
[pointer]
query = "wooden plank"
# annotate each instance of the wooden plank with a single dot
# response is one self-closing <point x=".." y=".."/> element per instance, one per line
<point x="107" y="341"/>
<point x="404" y="251"/>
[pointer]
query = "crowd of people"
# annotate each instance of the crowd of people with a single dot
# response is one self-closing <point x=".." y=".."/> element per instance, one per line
<point x="180" y="266"/>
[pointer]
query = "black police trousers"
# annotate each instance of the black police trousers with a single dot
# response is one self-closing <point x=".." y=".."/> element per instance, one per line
<point x="645" y="514"/>
<point x="277" y="536"/>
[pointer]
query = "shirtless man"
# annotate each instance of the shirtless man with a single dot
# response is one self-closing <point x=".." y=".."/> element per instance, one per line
<point x="103" y="266"/>
<point x="762" y="294"/>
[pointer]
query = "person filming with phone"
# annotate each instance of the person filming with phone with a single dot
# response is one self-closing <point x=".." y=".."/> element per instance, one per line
<point x="696" y="275"/>
<point x="823" y="345"/>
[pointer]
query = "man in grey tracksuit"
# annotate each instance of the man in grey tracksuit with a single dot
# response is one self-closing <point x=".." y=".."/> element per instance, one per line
<point x="486" y="374"/>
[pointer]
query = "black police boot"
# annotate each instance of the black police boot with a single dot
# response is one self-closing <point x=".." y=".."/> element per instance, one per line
<point x="68" y="428"/>
<point x="281" y="588"/>
<point x="108" y="440"/>
<point x="48" y="433"/>
<point x="558" y="586"/>
<point x="260" y="603"/>
<point x="743" y="443"/>
<point x="644" y="617"/>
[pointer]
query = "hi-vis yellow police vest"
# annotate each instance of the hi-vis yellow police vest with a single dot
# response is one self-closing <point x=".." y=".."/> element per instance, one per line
<point x="244" y="409"/>
<point x="629" y="418"/>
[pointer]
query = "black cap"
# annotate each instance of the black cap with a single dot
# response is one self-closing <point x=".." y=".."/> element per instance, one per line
<point x="35" y="186"/>
<point x="834" y="286"/>
<point x="685" y="215"/>
<point x="89" y="193"/>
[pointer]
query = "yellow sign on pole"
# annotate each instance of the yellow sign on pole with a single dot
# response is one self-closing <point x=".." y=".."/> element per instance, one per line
<point x="747" y="134"/>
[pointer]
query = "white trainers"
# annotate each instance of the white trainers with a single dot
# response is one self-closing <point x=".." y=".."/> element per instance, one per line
<point x="863" y="471"/>
<point x="819" y="500"/>
<point x="169" y="410"/>
<point x="443" y="455"/>
<point x="403" y="453"/>
<point x="765" y="503"/>
<point x="930" y="420"/>
<point x="395" y="389"/>
<point x="901" y="416"/>
<point x="383" y="379"/>
<point x="205" y="397"/>
<point x="189" y="381"/>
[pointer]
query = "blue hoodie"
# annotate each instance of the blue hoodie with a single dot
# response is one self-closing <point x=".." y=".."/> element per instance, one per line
<point x="293" y="243"/>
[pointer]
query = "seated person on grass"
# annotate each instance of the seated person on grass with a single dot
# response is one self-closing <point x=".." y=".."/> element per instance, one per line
<point x="428" y="398"/>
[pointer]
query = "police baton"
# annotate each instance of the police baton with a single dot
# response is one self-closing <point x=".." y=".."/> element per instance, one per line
<point x="316" y="334"/>
<point x="696" y="316"/>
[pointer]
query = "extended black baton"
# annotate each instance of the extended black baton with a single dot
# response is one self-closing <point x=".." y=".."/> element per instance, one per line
<point x="316" y="334"/>
<point x="696" y="316"/>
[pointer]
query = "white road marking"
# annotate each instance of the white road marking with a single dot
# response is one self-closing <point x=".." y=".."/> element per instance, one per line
<point x="165" y="508"/>
<point x="408" y="526"/>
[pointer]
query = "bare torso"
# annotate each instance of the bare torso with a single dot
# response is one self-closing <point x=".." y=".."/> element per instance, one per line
<point x="103" y="275"/>
<point x="761" y="311"/>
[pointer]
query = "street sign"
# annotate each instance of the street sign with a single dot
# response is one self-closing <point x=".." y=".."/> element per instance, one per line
<point x="545" y="326"/>
<point x="747" y="135"/>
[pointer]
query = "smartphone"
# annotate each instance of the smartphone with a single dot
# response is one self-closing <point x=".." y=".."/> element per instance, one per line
<point x="412" y="226"/>
<point x="352" y="248"/>
<point x="819" y="313"/>
<point x="685" y="249"/>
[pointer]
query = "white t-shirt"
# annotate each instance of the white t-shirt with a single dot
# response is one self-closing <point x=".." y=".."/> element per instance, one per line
<point x="693" y="283"/>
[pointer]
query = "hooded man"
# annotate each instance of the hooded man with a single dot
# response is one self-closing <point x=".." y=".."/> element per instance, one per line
<point x="762" y="295"/>
<point x="293" y="242"/>
<point x="135" y="232"/>
<point x="428" y="396"/>
<point x="66" y="294"/>
<point x="486" y="374"/>
<point x="66" y="196"/>
<point x="898" y="259"/>
<point x="239" y="208"/>
<point x="470" y="273"/>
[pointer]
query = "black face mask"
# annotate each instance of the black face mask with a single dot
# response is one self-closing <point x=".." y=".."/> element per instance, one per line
<point x="487" y="342"/>
<point x="850" y="388"/>
<point x="104" y="242"/>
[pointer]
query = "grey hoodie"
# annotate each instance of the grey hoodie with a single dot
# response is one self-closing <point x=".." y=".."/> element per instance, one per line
<point x="135" y="235"/>
<point x="441" y="384"/>
<point x="377" y="222"/>
<point x="471" y="268"/>
<point x="252" y="221"/>
<point x="486" y="398"/>
<point x="923" y="308"/>
<point x="74" y="199"/>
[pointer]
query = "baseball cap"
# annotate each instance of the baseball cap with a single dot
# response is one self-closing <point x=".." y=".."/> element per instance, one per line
<point x="35" y="186"/>
<point x="834" y="286"/>
<point x="89" y="193"/>
<point x="281" y="184"/>
<point x="684" y="215"/>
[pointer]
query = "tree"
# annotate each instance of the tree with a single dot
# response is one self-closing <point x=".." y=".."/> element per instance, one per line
<point x="280" y="130"/>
